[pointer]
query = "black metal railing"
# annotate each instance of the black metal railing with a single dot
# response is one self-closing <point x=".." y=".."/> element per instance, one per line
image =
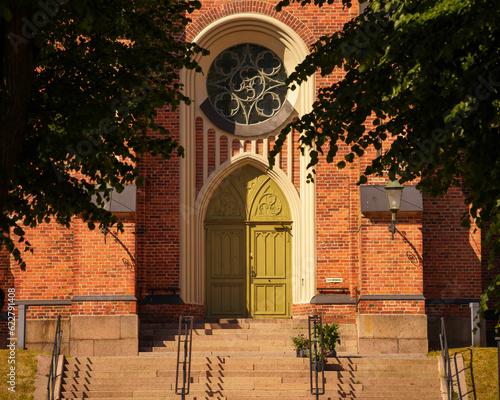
<point x="56" y="349"/>
<point x="446" y="360"/>
<point x="183" y="370"/>
<point x="316" y="356"/>
<point x="459" y="386"/>
<point x="452" y="377"/>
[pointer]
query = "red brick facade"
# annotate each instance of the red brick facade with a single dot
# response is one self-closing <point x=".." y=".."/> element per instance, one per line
<point x="431" y="256"/>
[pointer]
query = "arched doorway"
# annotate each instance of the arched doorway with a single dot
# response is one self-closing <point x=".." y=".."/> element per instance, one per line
<point x="248" y="248"/>
<point x="205" y="166"/>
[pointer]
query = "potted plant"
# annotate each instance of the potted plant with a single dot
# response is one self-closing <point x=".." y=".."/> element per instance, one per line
<point x="331" y="336"/>
<point x="317" y="361"/>
<point x="300" y="344"/>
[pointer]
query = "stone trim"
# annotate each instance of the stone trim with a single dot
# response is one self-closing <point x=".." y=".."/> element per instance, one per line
<point x="333" y="299"/>
<point x="249" y="6"/>
<point x="451" y="301"/>
<point x="43" y="302"/>
<point x="104" y="298"/>
<point x="392" y="297"/>
<point x="218" y="35"/>
<point x="347" y="299"/>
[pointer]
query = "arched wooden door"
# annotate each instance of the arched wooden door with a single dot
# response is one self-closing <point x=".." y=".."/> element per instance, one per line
<point x="248" y="246"/>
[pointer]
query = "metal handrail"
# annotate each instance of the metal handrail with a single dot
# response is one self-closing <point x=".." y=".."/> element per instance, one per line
<point x="472" y="376"/>
<point x="473" y="390"/>
<point x="448" y="375"/>
<point x="446" y="360"/>
<point x="316" y="356"/>
<point x="185" y="336"/>
<point x="56" y="349"/>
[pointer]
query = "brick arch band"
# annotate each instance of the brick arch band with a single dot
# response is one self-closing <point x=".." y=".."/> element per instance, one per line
<point x="213" y="33"/>
<point x="206" y="18"/>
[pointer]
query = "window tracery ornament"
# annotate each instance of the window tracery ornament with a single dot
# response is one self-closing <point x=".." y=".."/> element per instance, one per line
<point x="246" y="84"/>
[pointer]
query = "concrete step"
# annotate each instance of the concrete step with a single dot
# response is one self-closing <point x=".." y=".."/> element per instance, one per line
<point x="246" y="360"/>
<point x="235" y="384"/>
<point x="231" y="379"/>
<point x="230" y="394"/>
<point x="242" y="340"/>
<point x="229" y="335"/>
<point x="257" y="330"/>
<point x="139" y="363"/>
<point x="199" y="376"/>
<point x="222" y="328"/>
<point x="243" y="394"/>
<point x="337" y="396"/>
<point x="254" y="331"/>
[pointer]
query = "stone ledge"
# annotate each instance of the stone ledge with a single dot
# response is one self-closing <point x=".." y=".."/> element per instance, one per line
<point x="104" y="298"/>
<point x="392" y="297"/>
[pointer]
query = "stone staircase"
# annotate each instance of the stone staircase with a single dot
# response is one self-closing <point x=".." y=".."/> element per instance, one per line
<point x="246" y="360"/>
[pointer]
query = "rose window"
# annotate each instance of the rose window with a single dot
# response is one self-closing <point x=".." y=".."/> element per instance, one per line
<point x="246" y="84"/>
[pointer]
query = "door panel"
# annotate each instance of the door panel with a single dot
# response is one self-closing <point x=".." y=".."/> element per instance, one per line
<point x="226" y="272"/>
<point x="270" y="254"/>
<point x="269" y="300"/>
<point x="270" y="282"/>
<point x="227" y="300"/>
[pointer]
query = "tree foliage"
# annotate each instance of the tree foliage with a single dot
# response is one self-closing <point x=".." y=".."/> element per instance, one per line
<point x="80" y="85"/>
<point x="428" y="72"/>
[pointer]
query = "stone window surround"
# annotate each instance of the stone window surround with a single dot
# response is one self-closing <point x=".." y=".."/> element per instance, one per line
<point x="217" y="36"/>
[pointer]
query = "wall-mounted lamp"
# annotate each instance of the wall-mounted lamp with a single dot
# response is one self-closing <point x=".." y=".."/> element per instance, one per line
<point x="394" y="194"/>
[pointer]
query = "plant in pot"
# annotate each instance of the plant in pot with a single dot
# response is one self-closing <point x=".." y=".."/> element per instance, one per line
<point x="300" y="344"/>
<point x="317" y="359"/>
<point x="331" y="336"/>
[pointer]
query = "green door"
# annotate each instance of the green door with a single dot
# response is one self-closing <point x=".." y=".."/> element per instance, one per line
<point x="226" y="276"/>
<point x="270" y="275"/>
<point x="248" y="248"/>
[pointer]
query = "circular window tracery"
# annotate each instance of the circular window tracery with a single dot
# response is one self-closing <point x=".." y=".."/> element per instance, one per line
<point x="246" y="84"/>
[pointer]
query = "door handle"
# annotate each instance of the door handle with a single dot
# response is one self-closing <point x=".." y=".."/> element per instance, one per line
<point x="252" y="272"/>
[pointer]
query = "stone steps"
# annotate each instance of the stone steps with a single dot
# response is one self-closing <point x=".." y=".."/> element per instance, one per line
<point x="252" y="335"/>
<point x="246" y="360"/>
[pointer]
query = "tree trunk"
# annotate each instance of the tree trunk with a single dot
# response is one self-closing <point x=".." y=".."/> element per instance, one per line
<point x="16" y="74"/>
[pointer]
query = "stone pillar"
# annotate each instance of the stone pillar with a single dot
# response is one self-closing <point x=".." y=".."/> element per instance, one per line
<point x="476" y="336"/>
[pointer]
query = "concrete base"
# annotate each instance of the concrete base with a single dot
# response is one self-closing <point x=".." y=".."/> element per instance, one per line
<point x="104" y="335"/>
<point x="101" y="335"/>
<point x="458" y="332"/>
<point x="40" y="335"/>
<point x="392" y="334"/>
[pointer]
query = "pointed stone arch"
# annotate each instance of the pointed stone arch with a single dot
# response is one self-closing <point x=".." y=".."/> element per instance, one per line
<point x="249" y="6"/>
<point x="248" y="267"/>
<point x="286" y="42"/>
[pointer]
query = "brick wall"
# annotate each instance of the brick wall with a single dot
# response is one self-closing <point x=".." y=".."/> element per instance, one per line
<point x="158" y="219"/>
<point x="431" y="255"/>
<point x="72" y="262"/>
<point x="340" y="314"/>
<point x="452" y="256"/>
